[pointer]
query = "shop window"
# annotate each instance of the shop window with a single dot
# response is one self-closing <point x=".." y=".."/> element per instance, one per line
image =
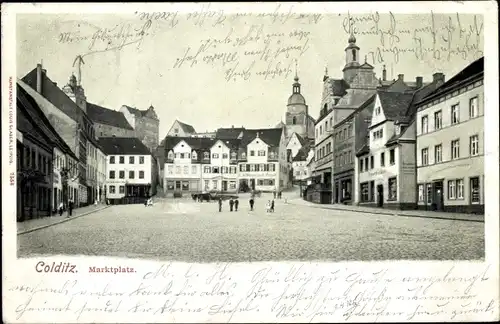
<point x="393" y="189"/>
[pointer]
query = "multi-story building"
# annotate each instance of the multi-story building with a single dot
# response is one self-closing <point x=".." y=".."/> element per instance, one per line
<point x="131" y="168"/>
<point x="301" y="171"/>
<point x="181" y="129"/>
<point x="348" y="139"/>
<point x="145" y="123"/>
<point x="450" y="144"/>
<point x="109" y="122"/>
<point x="101" y="175"/>
<point x="79" y="133"/>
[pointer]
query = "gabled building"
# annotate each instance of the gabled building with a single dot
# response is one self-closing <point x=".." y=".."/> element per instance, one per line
<point x="78" y="133"/>
<point x="295" y="144"/>
<point x="109" y="122"/>
<point x="145" y="123"/>
<point x="181" y="129"/>
<point x="450" y="144"/>
<point x="131" y="168"/>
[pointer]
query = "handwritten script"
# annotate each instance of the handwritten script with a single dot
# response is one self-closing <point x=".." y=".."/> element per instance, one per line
<point x="433" y="38"/>
<point x="233" y="292"/>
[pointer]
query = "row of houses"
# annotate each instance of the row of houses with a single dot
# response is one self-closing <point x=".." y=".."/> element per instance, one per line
<point x="401" y="144"/>
<point x="65" y="150"/>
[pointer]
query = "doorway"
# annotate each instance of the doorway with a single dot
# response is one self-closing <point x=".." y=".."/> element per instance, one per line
<point x="252" y="184"/>
<point x="336" y="192"/>
<point x="380" y="195"/>
<point x="438" y="196"/>
<point x="224" y="185"/>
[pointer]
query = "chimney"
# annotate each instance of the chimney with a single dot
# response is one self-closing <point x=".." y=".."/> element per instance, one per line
<point x="401" y="77"/>
<point x="384" y="74"/>
<point x="419" y="81"/>
<point x="438" y="78"/>
<point x="39" y="78"/>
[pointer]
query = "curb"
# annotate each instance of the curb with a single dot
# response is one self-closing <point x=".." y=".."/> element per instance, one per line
<point x="392" y="214"/>
<point x="61" y="221"/>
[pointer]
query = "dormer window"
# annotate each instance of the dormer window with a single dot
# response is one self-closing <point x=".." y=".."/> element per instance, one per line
<point x="233" y="155"/>
<point x="243" y="155"/>
<point x="206" y="155"/>
<point x="194" y="156"/>
<point x="398" y="129"/>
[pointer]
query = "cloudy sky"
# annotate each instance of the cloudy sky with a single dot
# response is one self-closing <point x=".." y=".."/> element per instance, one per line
<point x="212" y="69"/>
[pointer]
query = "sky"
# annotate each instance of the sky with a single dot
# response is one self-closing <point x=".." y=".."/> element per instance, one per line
<point x="217" y="70"/>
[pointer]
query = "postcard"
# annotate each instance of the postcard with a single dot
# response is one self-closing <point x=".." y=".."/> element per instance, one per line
<point x="250" y="162"/>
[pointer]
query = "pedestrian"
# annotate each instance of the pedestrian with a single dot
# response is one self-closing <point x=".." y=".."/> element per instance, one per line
<point x="272" y="206"/>
<point x="268" y="206"/>
<point x="70" y="208"/>
<point x="231" y="204"/>
<point x="274" y="194"/>
<point x="251" y="203"/>
<point x="220" y="204"/>
<point x="236" y="203"/>
<point x="60" y="208"/>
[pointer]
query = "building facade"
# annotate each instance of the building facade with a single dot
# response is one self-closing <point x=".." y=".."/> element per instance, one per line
<point x="108" y="122"/>
<point x="130" y="168"/>
<point x="145" y="123"/>
<point x="450" y="144"/>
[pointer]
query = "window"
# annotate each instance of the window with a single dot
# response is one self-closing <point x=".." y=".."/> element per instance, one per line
<point x="170" y="169"/>
<point x="455" y="114"/>
<point x="475" y="196"/>
<point x="429" y="193"/>
<point x="214" y="184"/>
<point x="372" y="162"/>
<point x="243" y="155"/>
<point x="206" y="169"/>
<point x="131" y="174"/>
<point x="141" y="174"/>
<point x="112" y="160"/>
<point x="111" y="174"/>
<point x="122" y="159"/>
<point x="252" y="153"/>
<point x="141" y="159"/>
<point x="177" y="169"/>
<point x="456" y="189"/>
<point x="233" y="155"/>
<point x="272" y="167"/>
<point x="425" y="124"/>
<point x="361" y="165"/>
<point x="206" y="185"/>
<point x="438" y="153"/>
<point x="438" y="120"/>
<point x="364" y="192"/>
<point x="349" y="132"/>
<point x="320" y="130"/>
<point x="193" y="169"/>
<point x="473" y="107"/>
<point x="420" y="192"/>
<point x="170" y="185"/>
<point x="121" y="174"/>
<point x="294" y="120"/>
<point x="215" y="155"/>
<point x="185" y="185"/>
<point x="176" y="130"/>
<point x="224" y="155"/>
<point x="326" y="125"/>
<point x="372" y="191"/>
<point x="215" y="169"/>
<point x="382" y="159"/>
<point x="112" y="189"/>
<point x="194" y="155"/>
<point x="262" y="153"/>
<point x="425" y="156"/>
<point x="393" y="189"/>
<point x="130" y="160"/>
<point x="455" y="149"/>
<point x="474" y="145"/>
<point x="377" y="111"/>
<point x="252" y="167"/>
<point x="186" y="169"/>
<point x="206" y="155"/>
<point x="122" y="189"/>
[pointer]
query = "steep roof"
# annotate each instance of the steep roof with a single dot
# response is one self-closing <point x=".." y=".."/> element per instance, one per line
<point x="394" y="104"/>
<point x="52" y="93"/>
<point x="476" y="68"/>
<point x="339" y="87"/>
<point x="271" y="136"/>
<point x="369" y="101"/>
<point x="302" y="155"/>
<point x="302" y="141"/>
<point x="32" y="109"/>
<point x="186" y="127"/>
<point x="229" y="133"/>
<point x="107" y="116"/>
<point x="123" y="146"/>
<point x="196" y="143"/>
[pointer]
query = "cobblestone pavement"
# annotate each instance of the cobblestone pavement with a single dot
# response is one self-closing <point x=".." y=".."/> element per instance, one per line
<point x="184" y="230"/>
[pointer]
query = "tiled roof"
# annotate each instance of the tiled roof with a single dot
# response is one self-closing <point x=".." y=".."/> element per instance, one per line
<point x="301" y="154"/>
<point x="107" y="116"/>
<point x="52" y="93"/>
<point x="32" y="109"/>
<point x="123" y="146"/>
<point x="229" y="133"/>
<point x="369" y="101"/>
<point x="475" y="68"/>
<point x="302" y="141"/>
<point x="394" y="104"/>
<point x="364" y="150"/>
<point x="186" y="127"/>
<point x="196" y="143"/>
<point x="339" y="87"/>
<point x="271" y="136"/>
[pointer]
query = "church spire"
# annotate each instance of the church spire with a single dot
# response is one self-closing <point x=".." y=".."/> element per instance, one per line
<point x="296" y="84"/>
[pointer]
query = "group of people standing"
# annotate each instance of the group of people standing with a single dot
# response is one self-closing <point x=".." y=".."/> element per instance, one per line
<point x="233" y="205"/>
<point x="60" y="209"/>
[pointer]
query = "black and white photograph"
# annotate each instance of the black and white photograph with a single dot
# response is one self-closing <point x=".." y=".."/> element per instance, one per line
<point x="211" y="135"/>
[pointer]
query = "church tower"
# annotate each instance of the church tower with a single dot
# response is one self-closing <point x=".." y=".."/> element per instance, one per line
<point x="352" y="59"/>
<point x="296" y="119"/>
<point x="76" y="93"/>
